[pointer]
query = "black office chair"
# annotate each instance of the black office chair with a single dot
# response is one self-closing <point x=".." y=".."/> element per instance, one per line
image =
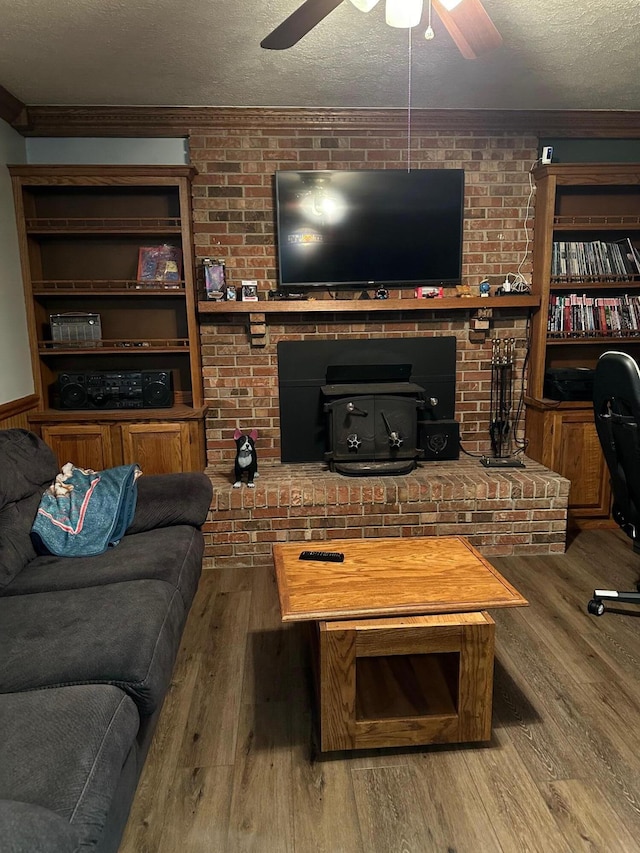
<point x="616" y="404"/>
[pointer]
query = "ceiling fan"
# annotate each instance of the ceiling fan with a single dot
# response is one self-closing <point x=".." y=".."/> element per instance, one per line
<point x="466" y="21"/>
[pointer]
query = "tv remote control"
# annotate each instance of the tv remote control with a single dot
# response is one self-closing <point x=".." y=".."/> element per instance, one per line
<point x="323" y="556"/>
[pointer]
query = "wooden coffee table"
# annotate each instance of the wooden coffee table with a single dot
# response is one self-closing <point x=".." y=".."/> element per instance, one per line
<point x="403" y="647"/>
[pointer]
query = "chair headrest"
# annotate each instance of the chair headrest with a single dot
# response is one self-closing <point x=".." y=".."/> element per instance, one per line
<point x="617" y="376"/>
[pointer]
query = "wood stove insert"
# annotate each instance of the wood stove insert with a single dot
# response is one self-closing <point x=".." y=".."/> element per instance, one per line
<point x="372" y="426"/>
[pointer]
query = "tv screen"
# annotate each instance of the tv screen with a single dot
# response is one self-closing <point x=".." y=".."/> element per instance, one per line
<point x="364" y="228"/>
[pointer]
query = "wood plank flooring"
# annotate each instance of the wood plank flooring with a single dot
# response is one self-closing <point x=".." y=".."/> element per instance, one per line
<point x="234" y="766"/>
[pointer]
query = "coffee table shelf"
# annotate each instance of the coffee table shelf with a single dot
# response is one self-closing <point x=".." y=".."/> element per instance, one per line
<point x="407" y="686"/>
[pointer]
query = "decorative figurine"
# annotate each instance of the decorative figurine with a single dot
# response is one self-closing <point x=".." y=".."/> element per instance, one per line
<point x="214" y="278"/>
<point x="246" y="458"/>
<point x="464" y="290"/>
<point x="485" y="288"/>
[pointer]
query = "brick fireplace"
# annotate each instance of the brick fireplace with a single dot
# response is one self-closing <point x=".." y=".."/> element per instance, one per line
<point x="517" y="511"/>
<point x="520" y="511"/>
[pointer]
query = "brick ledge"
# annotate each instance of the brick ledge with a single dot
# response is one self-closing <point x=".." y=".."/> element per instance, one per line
<point x="501" y="511"/>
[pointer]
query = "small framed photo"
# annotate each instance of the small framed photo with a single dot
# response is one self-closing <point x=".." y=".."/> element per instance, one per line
<point x="230" y="293"/>
<point x="214" y="278"/>
<point x="250" y="291"/>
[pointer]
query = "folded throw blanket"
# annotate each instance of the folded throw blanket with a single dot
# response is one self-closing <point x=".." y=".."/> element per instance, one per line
<point x="83" y="512"/>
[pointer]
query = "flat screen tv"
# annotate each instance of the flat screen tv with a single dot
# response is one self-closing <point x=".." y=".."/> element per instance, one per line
<point x="369" y="228"/>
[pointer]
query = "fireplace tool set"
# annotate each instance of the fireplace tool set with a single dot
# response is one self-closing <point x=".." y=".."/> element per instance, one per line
<point x="500" y="429"/>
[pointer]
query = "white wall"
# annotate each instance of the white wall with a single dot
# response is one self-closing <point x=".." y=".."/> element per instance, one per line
<point x="119" y="152"/>
<point x="16" y="378"/>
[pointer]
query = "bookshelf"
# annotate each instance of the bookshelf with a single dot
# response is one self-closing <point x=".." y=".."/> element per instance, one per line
<point x="586" y="272"/>
<point x="81" y="231"/>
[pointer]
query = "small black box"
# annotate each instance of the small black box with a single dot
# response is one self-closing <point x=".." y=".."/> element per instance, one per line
<point x="439" y="439"/>
<point x="569" y="383"/>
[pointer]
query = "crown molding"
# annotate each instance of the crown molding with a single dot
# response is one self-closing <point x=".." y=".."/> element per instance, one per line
<point x="12" y="110"/>
<point x="184" y="121"/>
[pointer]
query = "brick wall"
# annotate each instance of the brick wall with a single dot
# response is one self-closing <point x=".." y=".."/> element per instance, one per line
<point x="519" y="511"/>
<point x="233" y="193"/>
<point x="241" y="382"/>
<point x="234" y="220"/>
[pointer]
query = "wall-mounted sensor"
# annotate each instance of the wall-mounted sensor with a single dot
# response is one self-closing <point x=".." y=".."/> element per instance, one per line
<point x="547" y="154"/>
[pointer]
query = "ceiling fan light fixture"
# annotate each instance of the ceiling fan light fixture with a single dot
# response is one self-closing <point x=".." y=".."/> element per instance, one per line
<point x="365" y="5"/>
<point x="469" y="26"/>
<point x="403" y="13"/>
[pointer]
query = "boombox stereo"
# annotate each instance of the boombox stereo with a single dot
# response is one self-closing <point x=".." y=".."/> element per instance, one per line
<point x="128" y="389"/>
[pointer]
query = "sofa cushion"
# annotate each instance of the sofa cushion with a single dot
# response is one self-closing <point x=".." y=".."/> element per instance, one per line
<point x="16" y="546"/>
<point x="25" y="828"/>
<point x="27" y="466"/>
<point x="168" y="499"/>
<point x="63" y="750"/>
<point x="171" y="554"/>
<point x="126" y="634"/>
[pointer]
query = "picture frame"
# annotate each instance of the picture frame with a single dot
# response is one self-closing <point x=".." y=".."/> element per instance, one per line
<point x="160" y="264"/>
<point x="249" y="291"/>
<point x="214" y="278"/>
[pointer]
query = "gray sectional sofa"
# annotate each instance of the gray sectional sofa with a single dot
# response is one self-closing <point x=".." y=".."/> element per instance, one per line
<point x="87" y="647"/>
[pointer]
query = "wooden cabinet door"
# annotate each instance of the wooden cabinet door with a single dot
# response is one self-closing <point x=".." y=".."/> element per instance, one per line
<point x="161" y="448"/>
<point x="566" y="441"/>
<point x="579" y="458"/>
<point x="86" y="446"/>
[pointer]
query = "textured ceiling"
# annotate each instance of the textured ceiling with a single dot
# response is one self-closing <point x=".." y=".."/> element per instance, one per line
<point x="583" y="54"/>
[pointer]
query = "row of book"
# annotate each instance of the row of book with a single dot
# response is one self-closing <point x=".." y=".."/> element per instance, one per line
<point x="596" y="260"/>
<point x="579" y="315"/>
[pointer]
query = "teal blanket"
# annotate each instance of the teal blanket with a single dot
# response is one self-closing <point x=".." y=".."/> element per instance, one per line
<point x="84" y="512"/>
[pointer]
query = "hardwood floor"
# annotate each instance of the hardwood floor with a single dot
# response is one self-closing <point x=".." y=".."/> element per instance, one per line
<point x="234" y="765"/>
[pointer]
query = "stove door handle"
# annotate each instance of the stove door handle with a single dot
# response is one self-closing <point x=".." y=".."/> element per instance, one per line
<point x="394" y="437"/>
<point x="354" y="410"/>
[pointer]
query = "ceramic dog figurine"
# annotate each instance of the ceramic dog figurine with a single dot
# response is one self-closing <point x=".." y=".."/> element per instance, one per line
<point x="246" y="457"/>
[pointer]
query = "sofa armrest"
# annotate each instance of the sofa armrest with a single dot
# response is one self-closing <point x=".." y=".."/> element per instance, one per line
<point x="169" y="499"/>
<point x="25" y="828"/>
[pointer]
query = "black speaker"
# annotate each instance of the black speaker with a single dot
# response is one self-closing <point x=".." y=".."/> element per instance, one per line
<point x="157" y="389"/>
<point x="72" y="391"/>
<point x="439" y="439"/>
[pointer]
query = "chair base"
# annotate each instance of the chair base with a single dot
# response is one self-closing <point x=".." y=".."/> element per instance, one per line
<point x="596" y="605"/>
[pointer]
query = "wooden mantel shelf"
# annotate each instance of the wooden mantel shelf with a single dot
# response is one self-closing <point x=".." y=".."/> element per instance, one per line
<point x="362" y="306"/>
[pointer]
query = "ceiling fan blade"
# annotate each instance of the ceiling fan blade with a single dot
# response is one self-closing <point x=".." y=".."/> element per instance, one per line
<point x="470" y="26"/>
<point x="299" y="23"/>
